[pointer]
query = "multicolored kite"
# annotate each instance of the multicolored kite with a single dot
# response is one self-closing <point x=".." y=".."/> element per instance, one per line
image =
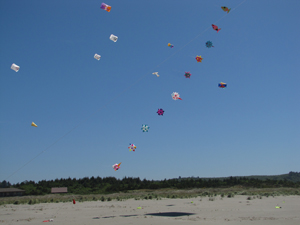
<point x="209" y="44"/>
<point x="199" y="58"/>
<point x="222" y="85"/>
<point x="175" y="96"/>
<point x="160" y="112"/>
<point x="105" y="7"/>
<point x="187" y="74"/>
<point x="225" y="9"/>
<point x="132" y="147"/>
<point x="145" y="128"/>
<point x="116" y="166"/>
<point x="170" y="45"/>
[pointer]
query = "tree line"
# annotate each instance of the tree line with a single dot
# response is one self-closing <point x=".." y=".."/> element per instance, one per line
<point x="98" y="185"/>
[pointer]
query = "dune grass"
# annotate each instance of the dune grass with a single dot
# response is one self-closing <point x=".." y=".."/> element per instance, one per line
<point x="148" y="194"/>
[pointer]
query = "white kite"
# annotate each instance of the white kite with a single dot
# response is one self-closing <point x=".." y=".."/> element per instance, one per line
<point x="96" y="56"/>
<point x="155" y="73"/>
<point x="15" y="67"/>
<point x="175" y="96"/>
<point x="113" y="38"/>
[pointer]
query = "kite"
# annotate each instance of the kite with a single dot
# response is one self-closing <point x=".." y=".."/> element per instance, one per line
<point x="175" y="96"/>
<point x="116" y="166"/>
<point x="170" y="45"/>
<point x="74" y="201"/>
<point x="113" y="38"/>
<point x="145" y="128"/>
<point x="15" y="67"/>
<point x="209" y="44"/>
<point x="199" y="58"/>
<point x="155" y="73"/>
<point x="187" y="74"/>
<point x="33" y="124"/>
<point x="225" y="9"/>
<point x="216" y="28"/>
<point x="96" y="56"/>
<point x="222" y="85"/>
<point x="160" y="112"/>
<point x="105" y="7"/>
<point x="132" y="147"/>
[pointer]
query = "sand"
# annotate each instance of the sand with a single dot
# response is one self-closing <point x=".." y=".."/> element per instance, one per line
<point x="236" y="210"/>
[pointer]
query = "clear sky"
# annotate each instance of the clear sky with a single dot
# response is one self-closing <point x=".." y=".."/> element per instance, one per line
<point x="88" y="111"/>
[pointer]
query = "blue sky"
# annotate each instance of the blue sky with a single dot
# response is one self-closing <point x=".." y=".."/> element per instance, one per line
<point x="88" y="111"/>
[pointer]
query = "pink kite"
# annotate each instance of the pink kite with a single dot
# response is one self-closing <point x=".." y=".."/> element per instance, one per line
<point x="116" y="166"/>
<point x="216" y="28"/>
<point x="160" y="112"/>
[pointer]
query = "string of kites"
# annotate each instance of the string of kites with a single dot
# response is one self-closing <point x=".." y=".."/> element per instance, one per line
<point x="175" y="95"/>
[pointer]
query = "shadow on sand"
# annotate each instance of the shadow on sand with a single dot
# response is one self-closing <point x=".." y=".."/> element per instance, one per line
<point x="170" y="214"/>
<point x="128" y="215"/>
<point x="108" y="217"/>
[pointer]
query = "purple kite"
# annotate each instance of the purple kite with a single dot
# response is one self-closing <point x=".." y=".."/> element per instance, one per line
<point x="160" y="112"/>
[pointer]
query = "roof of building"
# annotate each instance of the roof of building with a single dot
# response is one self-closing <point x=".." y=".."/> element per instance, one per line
<point x="59" y="190"/>
<point x="10" y="190"/>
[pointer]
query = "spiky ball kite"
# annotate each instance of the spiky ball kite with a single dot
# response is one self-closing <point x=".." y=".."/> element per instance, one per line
<point x="160" y="112"/>
<point x="199" y="58"/>
<point x="132" y="147"/>
<point x="175" y="96"/>
<point x="145" y="128"/>
<point x="187" y="74"/>
<point x="209" y="44"/>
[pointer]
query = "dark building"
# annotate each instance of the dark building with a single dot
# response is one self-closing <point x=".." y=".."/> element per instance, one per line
<point x="6" y="192"/>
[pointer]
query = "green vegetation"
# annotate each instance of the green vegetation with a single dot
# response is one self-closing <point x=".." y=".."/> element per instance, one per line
<point x="107" y="185"/>
<point x="153" y="195"/>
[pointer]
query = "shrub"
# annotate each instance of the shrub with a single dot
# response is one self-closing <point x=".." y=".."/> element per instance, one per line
<point x="230" y="195"/>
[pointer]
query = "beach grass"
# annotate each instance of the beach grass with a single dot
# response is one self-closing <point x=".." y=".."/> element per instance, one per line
<point x="148" y="194"/>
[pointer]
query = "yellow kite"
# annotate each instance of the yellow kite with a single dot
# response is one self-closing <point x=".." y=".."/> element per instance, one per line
<point x="33" y="124"/>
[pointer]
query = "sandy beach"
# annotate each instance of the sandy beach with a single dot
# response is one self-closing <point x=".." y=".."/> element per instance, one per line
<point x="200" y="210"/>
